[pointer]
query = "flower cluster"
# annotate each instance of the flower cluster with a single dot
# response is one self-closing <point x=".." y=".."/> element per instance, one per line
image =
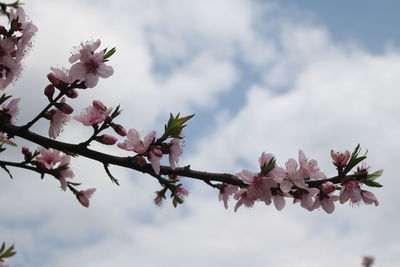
<point x="15" y="42"/>
<point x="302" y="182"/>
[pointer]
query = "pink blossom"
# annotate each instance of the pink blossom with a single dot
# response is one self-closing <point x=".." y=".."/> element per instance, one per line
<point x="5" y="140"/>
<point x="90" y="47"/>
<point x="181" y="192"/>
<point x="367" y="261"/>
<point x="90" y="66"/>
<point x="259" y="186"/>
<point x="12" y="108"/>
<point x="279" y="201"/>
<point x="65" y="172"/>
<point x="59" y="77"/>
<point x="10" y="66"/>
<point x="49" y="157"/>
<point x="340" y="159"/>
<point x="243" y="198"/>
<point x="350" y="190"/>
<point x="309" y="167"/>
<point x="3" y="264"/>
<point x="325" y="198"/>
<point x="93" y="114"/>
<point x="225" y="191"/>
<point x="134" y="143"/>
<point x="64" y="107"/>
<point x="293" y="176"/>
<point x="83" y="196"/>
<point x="369" y="198"/>
<point x="57" y="121"/>
<point x="155" y="156"/>
<point x="174" y="152"/>
<point x="306" y="197"/>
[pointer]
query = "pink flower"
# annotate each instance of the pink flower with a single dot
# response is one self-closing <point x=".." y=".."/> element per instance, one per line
<point x="3" y="264"/>
<point x="59" y="77"/>
<point x="155" y="156"/>
<point x="369" y="198"/>
<point x="90" y="66"/>
<point x="94" y="114"/>
<point x="83" y="196"/>
<point x="12" y="108"/>
<point x="325" y="198"/>
<point x="174" y="152"/>
<point x="350" y="190"/>
<point x="134" y="143"/>
<point x="340" y="159"/>
<point x="10" y="66"/>
<point x="293" y="176"/>
<point x="181" y="192"/>
<point x="225" y="191"/>
<point x="49" y="157"/>
<point x="259" y="186"/>
<point x="57" y="121"/>
<point x="65" y="172"/>
<point x="243" y="198"/>
<point x="306" y="197"/>
<point x="309" y="167"/>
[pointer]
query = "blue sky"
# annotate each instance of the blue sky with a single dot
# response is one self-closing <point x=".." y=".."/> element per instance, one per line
<point x="274" y="76"/>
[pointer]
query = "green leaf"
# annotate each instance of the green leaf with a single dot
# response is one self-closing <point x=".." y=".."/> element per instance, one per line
<point x="8" y="253"/>
<point x="267" y="167"/>
<point x="3" y="246"/>
<point x="372" y="183"/>
<point x="109" y="53"/>
<point x="4" y="98"/>
<point x="174" y="126"/>
<point x="354" y="159"/>
<point x="116" y="112"/>
<point x="374" y="175"/>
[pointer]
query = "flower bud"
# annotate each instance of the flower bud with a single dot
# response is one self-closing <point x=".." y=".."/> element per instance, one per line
<point x="328" y="187"/>
<point x="157" y="152"/>
<point x="106" y="139"/>
<point x="71" y="93"/>
<point x="140" y="160"/>
<point x="119" y="129"/>
<point x="49" y="90"/>
<point x="340" y="159"/>
<point x="55" y="81"/>
<point x="99" y="105"/>
<point x="64" y="108"/>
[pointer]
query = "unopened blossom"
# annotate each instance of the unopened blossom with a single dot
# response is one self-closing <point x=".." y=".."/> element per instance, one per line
<point x="59" y="77"/>
<point x="181" y="192"/>
<point x="225" y="191"/>
<point x="367" y="261"/>
<point x="369" y="198"/>
<point x="4" y="139"/>
<point x="49" y="157"/>
<point x="279" y="201"/>
<point x="340" y="159"/>
<point x="83" y="196"/>
<point x="309" y="167"/>
<point x="90" y="66"/>
<point x="57" y="121"/>
<point x="64" y="107"/>
<point x="350" y="191"/>
<point x="94" y="114"/>
<point x="106" y="139"/>
<point x="12" y="108"/>
<point x="134" y="143"/>
<point x="174" y="152"/>
<point x="119" y="129"/>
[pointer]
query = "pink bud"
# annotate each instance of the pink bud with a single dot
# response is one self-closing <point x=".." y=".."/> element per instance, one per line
<point x="157" y="152"/>
<point x="340" y="159"/>
<point x="140" y="160"/>
<point x="25" y="150"/>
<point x="119" y="129"/>
<point x="106" y="139"/>
<point x="328" y="187"/>
<point x="99" y="105"/>
<point x="49" y="90"/>
<point x="64" y="108"/>
<point x="71" y="93"/>
<point x="55" y="81"/>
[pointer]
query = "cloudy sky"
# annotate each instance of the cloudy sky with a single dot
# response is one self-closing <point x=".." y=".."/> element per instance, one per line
<point x="274" y="76"/>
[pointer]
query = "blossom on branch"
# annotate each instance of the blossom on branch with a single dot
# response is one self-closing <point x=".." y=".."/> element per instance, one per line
<point x="94" y="114"/>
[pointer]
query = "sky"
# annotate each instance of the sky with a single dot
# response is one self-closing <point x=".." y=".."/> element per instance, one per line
<point x="273" y="76"/>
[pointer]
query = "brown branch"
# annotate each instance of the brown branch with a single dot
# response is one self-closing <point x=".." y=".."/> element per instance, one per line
<point x="128" y="162"/>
